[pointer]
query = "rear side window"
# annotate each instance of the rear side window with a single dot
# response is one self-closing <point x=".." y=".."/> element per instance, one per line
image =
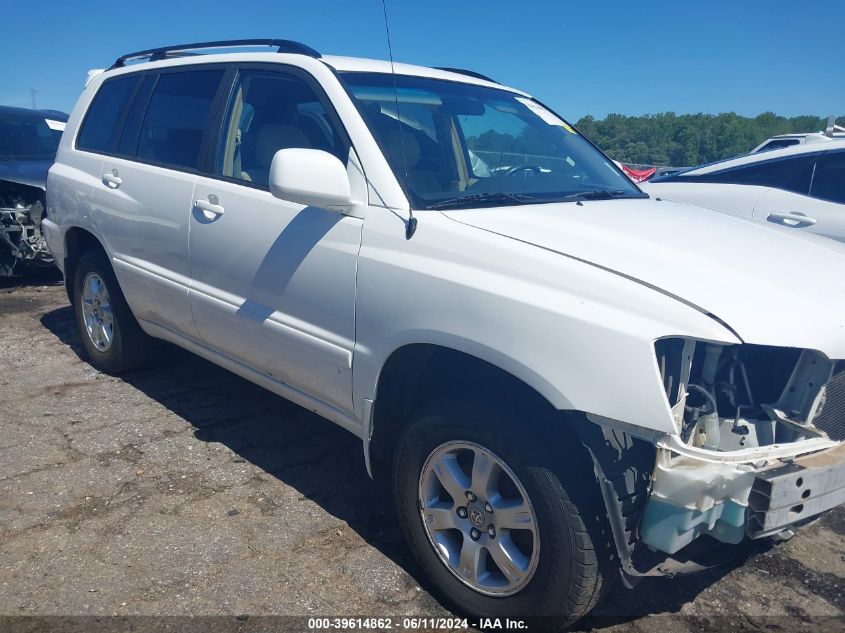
<point x="789" y="174"/>
<point x="829" y="179"/>
<point x="176" y="118"/>
<point x="102" y="123"/>
<point x="779" y="144"/>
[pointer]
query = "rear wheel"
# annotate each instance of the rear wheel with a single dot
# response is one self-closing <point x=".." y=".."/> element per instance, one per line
<point x="494" y="519"/>
<point x="110" y="334"/>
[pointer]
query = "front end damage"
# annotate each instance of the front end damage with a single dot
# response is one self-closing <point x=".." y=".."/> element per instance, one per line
<point x="21" y="242"/>
<point x="758" y="450"/>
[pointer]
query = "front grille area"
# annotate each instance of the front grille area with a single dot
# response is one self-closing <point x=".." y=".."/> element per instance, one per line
<point x="830" y="416"/>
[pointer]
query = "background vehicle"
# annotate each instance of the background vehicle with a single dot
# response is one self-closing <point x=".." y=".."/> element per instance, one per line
<point x="782" y="141"/>
<point x="801" y="188"/>
<point x="525" y="357"/>
<point x="28" y="143"/>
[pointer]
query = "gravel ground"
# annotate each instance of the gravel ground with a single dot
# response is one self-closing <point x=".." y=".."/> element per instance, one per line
<point x="184" y="489"/>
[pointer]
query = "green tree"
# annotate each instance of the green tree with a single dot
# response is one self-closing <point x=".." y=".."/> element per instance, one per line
<point x="685" y="140"/>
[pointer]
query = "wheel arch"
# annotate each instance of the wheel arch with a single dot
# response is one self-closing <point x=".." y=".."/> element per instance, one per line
<point x="77" y="240"/>
<point x="417" y="372"/>
<point x="622" y="464"/>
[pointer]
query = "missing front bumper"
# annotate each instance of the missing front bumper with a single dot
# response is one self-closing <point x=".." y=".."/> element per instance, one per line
<point x="732" y="501"/>
<point x="791" y="493"/>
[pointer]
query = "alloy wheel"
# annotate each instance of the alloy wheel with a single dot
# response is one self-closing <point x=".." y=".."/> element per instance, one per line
<point x="97" y="312"/>
<point x="478" y="518"/>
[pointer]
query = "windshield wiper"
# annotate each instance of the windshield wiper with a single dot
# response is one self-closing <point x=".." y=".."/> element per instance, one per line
<point x="597" y="194"/>
<point x="482" y="198"/>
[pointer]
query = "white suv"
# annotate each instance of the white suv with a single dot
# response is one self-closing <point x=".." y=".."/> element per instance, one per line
<point x="565" y="381"/>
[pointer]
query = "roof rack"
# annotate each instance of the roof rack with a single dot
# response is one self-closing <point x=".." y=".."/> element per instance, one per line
<point x="179" y="50"/>
<point x="468" y="73"/>
<point x="832" y="128"/>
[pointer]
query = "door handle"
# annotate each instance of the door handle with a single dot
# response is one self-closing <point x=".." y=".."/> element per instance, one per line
<point x="112" y="179"/>
<point x="795" y="220"/>
<point x="211" y="208"/>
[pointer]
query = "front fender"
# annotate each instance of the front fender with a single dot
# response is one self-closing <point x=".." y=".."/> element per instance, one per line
<point x="581" y="337"/>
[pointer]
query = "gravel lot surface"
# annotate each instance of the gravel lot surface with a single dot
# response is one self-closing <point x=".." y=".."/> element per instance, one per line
<point x="184" y="489"/>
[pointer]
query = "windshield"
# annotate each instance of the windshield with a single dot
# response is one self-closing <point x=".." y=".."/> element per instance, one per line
<point x="29" y="136"/>
<point x="453" y="144"/>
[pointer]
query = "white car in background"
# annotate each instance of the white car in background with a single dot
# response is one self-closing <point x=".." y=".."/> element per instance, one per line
<point x="801" y="188"/>
<point x="781" y="141"/>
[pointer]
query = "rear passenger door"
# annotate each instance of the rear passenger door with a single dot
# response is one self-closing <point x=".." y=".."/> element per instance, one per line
<point x="820" y="209"/>
<point x="143" y="200"/>
<point x="273" y="282"/>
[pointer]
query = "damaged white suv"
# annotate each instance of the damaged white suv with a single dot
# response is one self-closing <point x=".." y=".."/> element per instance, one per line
<point x="565" y="380"/>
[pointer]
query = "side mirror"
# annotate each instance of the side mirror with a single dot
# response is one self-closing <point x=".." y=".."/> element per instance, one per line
<point x="311" y="177"/>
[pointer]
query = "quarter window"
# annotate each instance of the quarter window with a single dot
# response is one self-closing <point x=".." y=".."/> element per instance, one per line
<point x="829" y="179"/>
<point x="270" y="111"/>
<point x="779" y="144"/>
<point x="176" y="118"/>
<point x="102" y="123"/>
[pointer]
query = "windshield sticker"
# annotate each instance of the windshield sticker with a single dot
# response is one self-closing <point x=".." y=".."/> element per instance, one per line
<point x="544" y="114"/>
<point x="55" y="125"/>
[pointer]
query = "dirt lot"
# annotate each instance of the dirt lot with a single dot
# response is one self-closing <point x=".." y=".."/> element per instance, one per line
<point x="186" y="490"/>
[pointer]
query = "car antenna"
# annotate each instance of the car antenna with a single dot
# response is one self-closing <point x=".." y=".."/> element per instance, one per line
<point x="411" y="226"/>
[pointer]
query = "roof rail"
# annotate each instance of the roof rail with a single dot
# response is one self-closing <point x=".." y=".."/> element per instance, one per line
<point x="832" y="128"/>
<point x="165" y="52"/>
<point x="468" y="73"/>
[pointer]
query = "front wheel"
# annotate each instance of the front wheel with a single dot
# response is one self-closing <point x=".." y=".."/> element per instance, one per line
<point x="495" y="521"/>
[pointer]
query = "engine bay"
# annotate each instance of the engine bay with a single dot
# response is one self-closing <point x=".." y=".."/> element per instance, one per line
<point x="21" y="242"/>
<point x="732" y="397"/>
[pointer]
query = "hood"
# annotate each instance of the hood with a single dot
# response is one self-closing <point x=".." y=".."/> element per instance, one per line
<point x="769" y="286"/>
<point x="26" y="172"/>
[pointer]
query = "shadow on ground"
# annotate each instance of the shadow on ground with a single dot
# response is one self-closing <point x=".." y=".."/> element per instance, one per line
<point x="325" y="463"/>
<point x="30" y="277"/>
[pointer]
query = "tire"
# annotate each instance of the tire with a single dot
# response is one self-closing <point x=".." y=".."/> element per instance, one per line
<point x="128" y="347"/>
<point x="573" y="566"/>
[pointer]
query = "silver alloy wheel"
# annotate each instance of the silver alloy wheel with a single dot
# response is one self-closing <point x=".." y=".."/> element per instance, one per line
<point x="479" y="518"/>
<point x="97" y="312"/>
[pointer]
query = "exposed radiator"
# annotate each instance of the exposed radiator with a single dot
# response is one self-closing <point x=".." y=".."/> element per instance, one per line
<point x="830" y="416"/>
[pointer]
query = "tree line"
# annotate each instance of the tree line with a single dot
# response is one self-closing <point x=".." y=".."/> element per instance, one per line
<point x="688" y="139"/>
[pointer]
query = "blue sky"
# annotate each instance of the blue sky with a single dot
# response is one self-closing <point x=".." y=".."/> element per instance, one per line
<point x="746" y="56"/>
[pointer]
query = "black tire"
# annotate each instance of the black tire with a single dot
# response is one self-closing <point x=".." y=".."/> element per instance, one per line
<point x="131" y="348"/>
<point x="574" y="567"/>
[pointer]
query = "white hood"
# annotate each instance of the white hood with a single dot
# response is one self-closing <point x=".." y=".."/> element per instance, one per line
<point x="769" y="286"/>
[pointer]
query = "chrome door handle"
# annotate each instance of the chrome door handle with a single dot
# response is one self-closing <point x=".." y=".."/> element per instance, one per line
<point x="210" y="206"/>
<point x="112" y="180"/>
<point x="793" y="220"/>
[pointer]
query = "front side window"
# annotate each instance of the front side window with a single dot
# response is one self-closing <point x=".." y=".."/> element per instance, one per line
<point x="452" y="144"/>
<point x="829" y="179"/>
<point x="176" y="118"/>
<point x="269" y="111"/>
<point x="102" y="123"/>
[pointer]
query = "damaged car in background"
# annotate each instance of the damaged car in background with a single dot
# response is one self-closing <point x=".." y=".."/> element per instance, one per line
<point x="28" y="143"/>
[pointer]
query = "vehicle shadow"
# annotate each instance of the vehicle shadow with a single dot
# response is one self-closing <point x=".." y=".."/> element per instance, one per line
<point x="31" y="277"/>
<point x="325" y="463"/>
